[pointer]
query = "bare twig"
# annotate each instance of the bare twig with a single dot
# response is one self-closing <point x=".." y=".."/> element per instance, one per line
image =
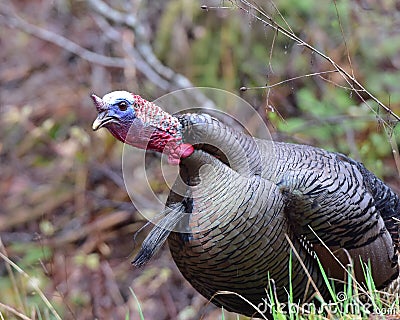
<point x="344" y="38"/>
<point x="271" y="51"/>
<point x="12" y="20"/>
<point x="338" y="85"/>
<point x="303" y="265"/>
<point x="291" y="79"/>
<point x="14" y="311"/>
<point x="263" y="17"/>
<point x="34" y="285"/>
<point x="146" y="61"/>
<point x="340" y="263"/>
<point x="12" y="278"/>
<point x="394" y="146"/>
<point x="113" y="35"/>
<point x="144" y="55"/>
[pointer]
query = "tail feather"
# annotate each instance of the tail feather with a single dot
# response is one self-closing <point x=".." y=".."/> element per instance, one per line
<point x="159" y="234"/>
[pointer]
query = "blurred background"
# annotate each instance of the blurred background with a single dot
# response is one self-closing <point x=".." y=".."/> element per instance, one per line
<point x="65" y="217"/>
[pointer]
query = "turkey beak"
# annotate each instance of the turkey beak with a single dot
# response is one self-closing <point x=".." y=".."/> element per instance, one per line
<point x="102" y="117"/>
<point x="99" y="121"/>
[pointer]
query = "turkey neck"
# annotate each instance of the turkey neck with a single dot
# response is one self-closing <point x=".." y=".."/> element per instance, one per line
<point x="239" y="151"/>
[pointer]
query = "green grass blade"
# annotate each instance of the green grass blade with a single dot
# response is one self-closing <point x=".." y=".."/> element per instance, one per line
<point x="137" y="303"/>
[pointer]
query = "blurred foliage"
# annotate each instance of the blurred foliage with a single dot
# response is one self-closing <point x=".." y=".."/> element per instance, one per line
<point x="65" y="216"/>
<point x="227" y="50"/>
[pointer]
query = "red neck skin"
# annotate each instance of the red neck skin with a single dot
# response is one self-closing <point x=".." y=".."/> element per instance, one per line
<point x="150" y="137"/>
<point x="164" y="142"/>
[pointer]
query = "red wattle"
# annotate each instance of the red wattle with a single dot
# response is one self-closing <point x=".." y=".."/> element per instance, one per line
<point x="181" y="151"/>
<point x="185" y="150"/>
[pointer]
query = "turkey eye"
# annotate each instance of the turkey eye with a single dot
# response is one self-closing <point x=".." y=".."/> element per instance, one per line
<point x="122" y="106"/>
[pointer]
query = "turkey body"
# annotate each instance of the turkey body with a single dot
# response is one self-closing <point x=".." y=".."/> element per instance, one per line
<point x="250" y="204"/>
<point x="253" y="217"/>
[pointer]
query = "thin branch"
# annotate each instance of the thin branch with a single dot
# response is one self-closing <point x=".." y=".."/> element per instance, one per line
<point x="281" y="15"/>
<point x="340" y="263"/>
<point x="344" y="38"/>
<point x="146" y="61"/>
<point x="394" y="146"/>
<point x="113" y="35"/>
<point x="264" y="18"/>
<point x="143" y="51"/>
<point x="271" y="51"/>
<point x="338" y="85"/>
<point x="14" y="21"/>
<point x="290" y="79"/>
<point x="13" y="311"/>
<point x="16" y="290"/>
<point x="306" y="271"/>
<point x="33" y="283"/>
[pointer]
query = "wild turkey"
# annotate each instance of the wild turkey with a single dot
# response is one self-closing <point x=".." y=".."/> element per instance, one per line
<point x="248" y="203"/>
